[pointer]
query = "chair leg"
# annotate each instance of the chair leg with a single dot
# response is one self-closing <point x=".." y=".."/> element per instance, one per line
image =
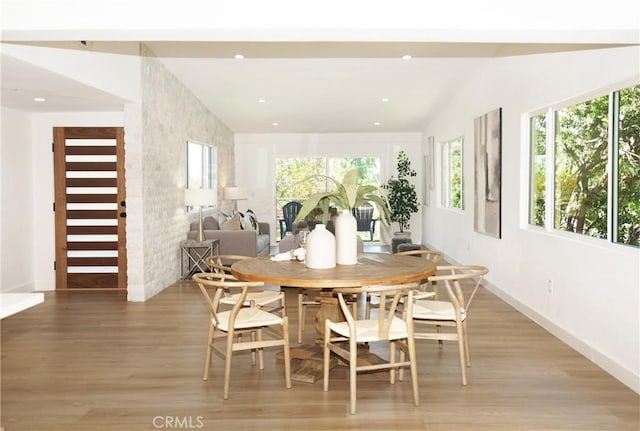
<point x="401" y="358"/>
<point x="301" y="298"/>
<point x="207" y="358"/>
<point x="260" y="350"/>
<point x="461" y="352"/>
<point x="392" y="360"/>
<point x="326" y="354"/>
<point x="287" y="354"/>
<point x="466" y="343"/>
<point x="353" y="363"/>
<point x="411" y="346"/>
<point x="227" y="365"/>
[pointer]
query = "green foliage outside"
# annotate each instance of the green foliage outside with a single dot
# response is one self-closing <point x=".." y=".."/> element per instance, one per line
<point x="456" y="175"/>
<point x="299" y="178"/>
<point x="539" y="169"/>
<point x="581" y="168"/>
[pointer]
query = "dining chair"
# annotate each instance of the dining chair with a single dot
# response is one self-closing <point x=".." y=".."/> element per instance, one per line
<point x="344" y="338"/>
<point x="432" y="256"/>
<point x="240" y="320"/>
<point x="456" y="279"/>
<point x="305" y="299"/>
<point x="422" y="292"/>
<point x="269" y="300"/>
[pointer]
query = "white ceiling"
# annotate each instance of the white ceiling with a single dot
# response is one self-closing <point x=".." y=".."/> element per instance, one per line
<point x="321" y="65"/>
<point x="307" y="87"/>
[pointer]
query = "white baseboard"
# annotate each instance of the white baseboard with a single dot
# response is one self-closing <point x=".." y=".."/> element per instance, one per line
<point x="621" y="373"/>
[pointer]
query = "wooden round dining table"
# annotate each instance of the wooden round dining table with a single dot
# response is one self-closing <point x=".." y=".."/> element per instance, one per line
<point x="371" y="269"/>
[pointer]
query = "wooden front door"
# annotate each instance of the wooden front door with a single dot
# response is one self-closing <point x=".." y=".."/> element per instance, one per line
<point x="90" y="208"/>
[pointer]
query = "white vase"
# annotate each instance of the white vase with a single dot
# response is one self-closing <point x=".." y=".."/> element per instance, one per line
<point x="320" y="249"/>
<point x="346" y="239"/>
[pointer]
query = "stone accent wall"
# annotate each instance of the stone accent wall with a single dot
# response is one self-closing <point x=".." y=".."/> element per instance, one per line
<point x="170" y="115"/>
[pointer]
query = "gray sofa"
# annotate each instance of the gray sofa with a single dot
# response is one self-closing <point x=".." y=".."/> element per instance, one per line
<point x="239" y="242"/>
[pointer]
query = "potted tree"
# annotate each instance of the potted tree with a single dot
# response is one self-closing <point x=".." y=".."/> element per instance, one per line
<point x="401" y="193"/>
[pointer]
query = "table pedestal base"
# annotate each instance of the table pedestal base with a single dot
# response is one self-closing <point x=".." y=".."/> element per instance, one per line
<point x="310" y="360"/>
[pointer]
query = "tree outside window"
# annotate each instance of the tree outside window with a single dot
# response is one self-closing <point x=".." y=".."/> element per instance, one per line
<point x="293" y="183"/>
<point x="596" y="176"/>
<point x="451" y="174"/>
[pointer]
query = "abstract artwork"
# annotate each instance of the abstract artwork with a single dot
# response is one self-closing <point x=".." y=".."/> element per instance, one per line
<point x="487" y="132"/>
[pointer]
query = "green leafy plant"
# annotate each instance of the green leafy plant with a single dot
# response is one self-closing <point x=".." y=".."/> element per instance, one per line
<point x="347" y="195"/>
<point x="401" y="193"/>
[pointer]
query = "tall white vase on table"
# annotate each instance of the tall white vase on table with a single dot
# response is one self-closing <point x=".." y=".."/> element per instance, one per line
<point x="320" y="249"/>
<point x="346" y="239"/>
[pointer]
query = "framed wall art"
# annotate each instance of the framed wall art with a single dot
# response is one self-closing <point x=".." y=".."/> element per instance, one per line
<point x="487" y="132"/>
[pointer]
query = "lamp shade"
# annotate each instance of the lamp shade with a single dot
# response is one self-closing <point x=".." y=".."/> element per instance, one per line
<point x="235" y="193"/>
<point x="200" y="197"/>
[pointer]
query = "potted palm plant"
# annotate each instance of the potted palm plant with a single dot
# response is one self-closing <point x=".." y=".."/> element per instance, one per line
<point x="401" y="193"/>
<point x="346" y="196"/>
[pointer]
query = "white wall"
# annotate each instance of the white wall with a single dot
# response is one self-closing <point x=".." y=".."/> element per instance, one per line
<point x="16" y="215"/>
<point x="170" y="116"/>
<point x="594" y="302"/>
<point x="256" y="155"/>
<point x="155" y="167"/>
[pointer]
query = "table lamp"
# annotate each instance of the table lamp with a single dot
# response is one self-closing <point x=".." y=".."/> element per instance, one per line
<point x="235" y="194"/>
<point x="199" y="198"/>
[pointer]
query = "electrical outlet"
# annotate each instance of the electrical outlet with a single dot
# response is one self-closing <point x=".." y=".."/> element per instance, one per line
<point x="550" y="286"/>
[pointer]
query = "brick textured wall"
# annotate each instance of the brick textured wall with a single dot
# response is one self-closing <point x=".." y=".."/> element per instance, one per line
<point x="157" y="172"/>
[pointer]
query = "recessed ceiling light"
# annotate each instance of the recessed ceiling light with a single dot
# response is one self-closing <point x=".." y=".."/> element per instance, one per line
<point x="385" y="99"/>
<point x="376" y="123"/>
<point x="406" y="57"/>
<point x="39" y="99"/>
<point x="262" y="101"/>
<point x="239" y="57"/>
<point x="275" y="124"/>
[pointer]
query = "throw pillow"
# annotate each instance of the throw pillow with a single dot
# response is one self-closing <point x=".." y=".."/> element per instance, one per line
<point x="232" y="224"/>
<point x="210" y="223"/>
<point x="251" y="221"/>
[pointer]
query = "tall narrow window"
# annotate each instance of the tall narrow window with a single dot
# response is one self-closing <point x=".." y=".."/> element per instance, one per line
<point x="451" y="174"/>
<point x="626" y="140"/>
<point x="201" y="165"/>
<point x="537" y="207"/>
<point x="581" y="150"/>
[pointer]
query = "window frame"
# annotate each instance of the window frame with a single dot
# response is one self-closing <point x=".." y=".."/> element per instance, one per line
<point x="612" y="92"/>
<point x="204" y="171"/>
<point x="445" y="191"/>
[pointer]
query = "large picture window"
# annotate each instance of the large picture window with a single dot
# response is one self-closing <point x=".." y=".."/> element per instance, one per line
<point x="595" y="146"/>
<point x="292" y="174"/>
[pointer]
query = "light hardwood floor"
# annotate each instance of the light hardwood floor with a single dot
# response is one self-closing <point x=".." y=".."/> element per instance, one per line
<point x="83" y="362"/>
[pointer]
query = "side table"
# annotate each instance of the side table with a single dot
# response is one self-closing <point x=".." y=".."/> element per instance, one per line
<point x="193" y="255"/>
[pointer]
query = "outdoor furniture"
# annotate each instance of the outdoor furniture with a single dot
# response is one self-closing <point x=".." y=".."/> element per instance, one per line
<point x="364" y="219"/>
<point x="289" y="213"/>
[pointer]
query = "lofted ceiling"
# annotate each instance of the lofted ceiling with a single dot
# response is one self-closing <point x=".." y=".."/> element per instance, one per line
<point x="288" y="87"/>
<point x="317" y="66"/>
